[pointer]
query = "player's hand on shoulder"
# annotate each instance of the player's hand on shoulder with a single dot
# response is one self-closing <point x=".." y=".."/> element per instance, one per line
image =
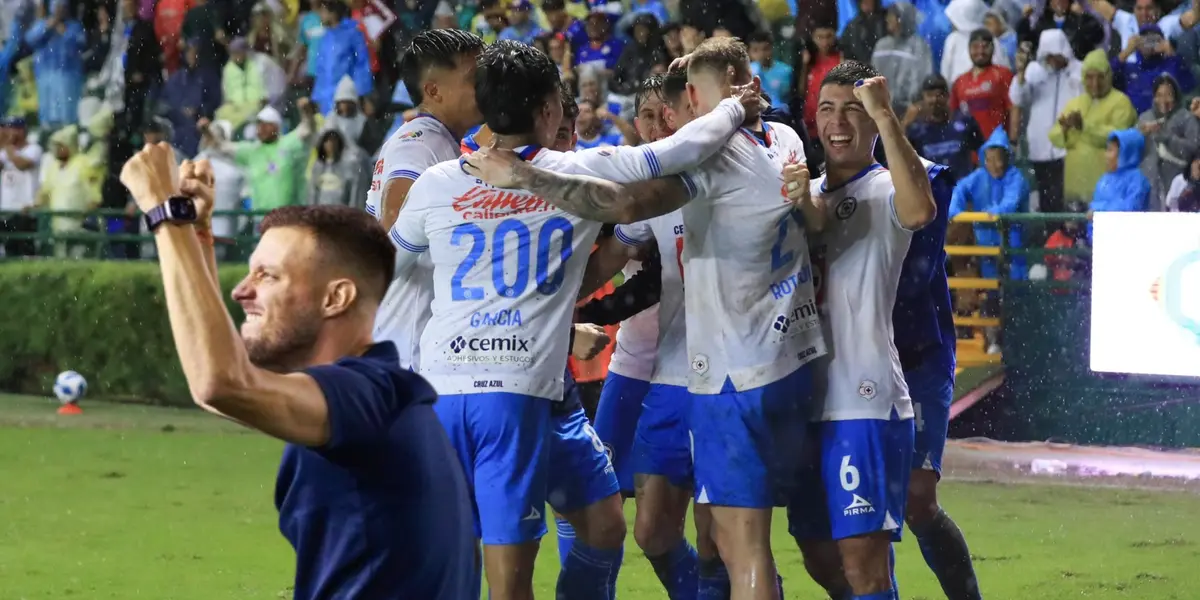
<point x="681" y="63"/>
<point x="589" y="341"/>
<point x="493" y="165"/>
<point x="874" y="95"/>
<point x="151" y="175"/>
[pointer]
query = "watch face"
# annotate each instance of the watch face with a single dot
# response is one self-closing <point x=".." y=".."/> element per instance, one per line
<point x="182" y="209"/>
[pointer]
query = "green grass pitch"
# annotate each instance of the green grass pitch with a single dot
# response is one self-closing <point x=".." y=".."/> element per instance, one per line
<point x="131" y="503"/>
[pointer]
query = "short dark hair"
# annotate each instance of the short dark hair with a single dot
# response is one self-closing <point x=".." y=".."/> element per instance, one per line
<point x="434" y="48"/>
<point x="718" y="54"/>
<point x="338" y="7"/>
<point x="651" y="86"/>
<point x="848" y="73"/>
<point x="347" y="237"/>
<point x="674" y="85"/>
<point x="553" y="5"/>
<point x="760" y="37"/>
<point x="515" y="79"/>
<point x="570" y="106"/>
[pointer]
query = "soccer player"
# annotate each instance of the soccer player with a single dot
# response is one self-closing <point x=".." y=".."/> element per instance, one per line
<point x="752" y="325"/>
<point x="847" y="518"/>
<point x="438" y="70"/>
<point x="367" y="491"/>
<point x="507" y="267"/>
<point x="925" y="343"/>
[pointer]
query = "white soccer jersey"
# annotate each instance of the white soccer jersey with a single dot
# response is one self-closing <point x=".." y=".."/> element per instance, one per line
<point x="859" y="257"/>
<point x="506" y="269"/>
<point x="670" y="365"/>
<point x="751" y="312"/>
<point x="419" y="144"/>
<point x="636" y="345"/>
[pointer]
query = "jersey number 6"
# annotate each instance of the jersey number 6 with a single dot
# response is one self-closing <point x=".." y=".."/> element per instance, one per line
<point x="547" y="282"/>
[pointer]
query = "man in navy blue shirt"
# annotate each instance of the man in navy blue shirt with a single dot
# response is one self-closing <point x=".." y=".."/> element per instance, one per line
<point x="941" y="133"/>
<point x="369" y="491"/>
<point x="924" y="336"/>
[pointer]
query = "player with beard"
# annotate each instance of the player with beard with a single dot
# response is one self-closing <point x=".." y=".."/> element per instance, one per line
<point x="366" y="491"/>
<point x="438" y="69"/>
<point x="749" y="346"/>
<point x="507" y="268"/>
<point x="847" y="516"/>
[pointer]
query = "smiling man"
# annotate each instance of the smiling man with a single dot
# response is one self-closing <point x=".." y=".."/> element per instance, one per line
<point x="368" y="492"/>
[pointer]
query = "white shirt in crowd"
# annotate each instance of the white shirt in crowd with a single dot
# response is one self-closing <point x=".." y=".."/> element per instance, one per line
<point x="18" y="189"/>
<point x="1046" y="92"/>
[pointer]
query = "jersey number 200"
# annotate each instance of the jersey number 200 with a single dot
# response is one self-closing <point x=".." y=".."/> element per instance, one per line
<point x="547" y="282"/>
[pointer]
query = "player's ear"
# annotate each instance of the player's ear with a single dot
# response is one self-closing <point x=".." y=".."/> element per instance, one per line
<point x="692" y="93"/>
<point x="429" y="89"/>
<point x="339" y="297"/>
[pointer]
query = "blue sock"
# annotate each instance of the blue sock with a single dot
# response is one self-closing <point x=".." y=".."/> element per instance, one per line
<point x="713" y="583"/>
<point x="566" y="539"/>
<point x="589" y="573"/>
<point x="876" y="596"/>
<point x="677" y="571"/>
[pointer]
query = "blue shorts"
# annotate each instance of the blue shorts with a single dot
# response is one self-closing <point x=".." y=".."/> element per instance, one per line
<point x="617" y="416"/>
<point x="931" y="386"/>
<point x="503" y="442"/>
<point x="661" y="445"/>
<point x="856" y="482"/>
<point x="580" y="472"/>
<point x="747" y="446"/>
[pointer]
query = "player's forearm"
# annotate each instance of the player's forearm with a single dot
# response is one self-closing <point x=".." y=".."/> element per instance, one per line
<point x="913" y="196"/>
<point x="698" y="140"/>
<point x="604" y="201"/>
<point x="609" y="258"/>
<point x="814" y="215"/>
<point x="212" y="354"/>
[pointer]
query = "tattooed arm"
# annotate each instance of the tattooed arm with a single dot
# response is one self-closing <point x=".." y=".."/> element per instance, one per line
<point x="586" y="197"/>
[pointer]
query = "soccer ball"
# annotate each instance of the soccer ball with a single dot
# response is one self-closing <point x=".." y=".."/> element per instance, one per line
<point x="69" y="387"/>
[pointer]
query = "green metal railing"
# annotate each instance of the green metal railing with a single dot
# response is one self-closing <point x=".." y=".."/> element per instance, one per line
<point x="99" y="243"/>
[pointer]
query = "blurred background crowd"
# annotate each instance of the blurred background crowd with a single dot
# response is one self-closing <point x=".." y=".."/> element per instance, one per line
<point x="1052" y="106"/>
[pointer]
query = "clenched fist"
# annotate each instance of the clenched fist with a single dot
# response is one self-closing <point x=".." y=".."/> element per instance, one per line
<point x="796" y="180"/>
<point x="152" y="175"/>
<point x="874" y="95"/>
<point x="196" y="180"/>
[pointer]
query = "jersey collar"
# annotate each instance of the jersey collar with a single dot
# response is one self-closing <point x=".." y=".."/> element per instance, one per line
<point x="525" y="153"/>
<point x="754" y="138"/>
<point x="425" y="115"/>
<point x="857" y="176"/>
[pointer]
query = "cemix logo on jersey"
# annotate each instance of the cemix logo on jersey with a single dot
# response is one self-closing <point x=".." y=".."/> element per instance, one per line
<point x="801" y="318"/>
<point x="511" y="350"/>
<point x="483" y="203"/>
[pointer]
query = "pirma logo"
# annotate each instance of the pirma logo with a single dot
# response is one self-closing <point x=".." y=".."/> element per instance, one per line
<point x="457" y="344"/>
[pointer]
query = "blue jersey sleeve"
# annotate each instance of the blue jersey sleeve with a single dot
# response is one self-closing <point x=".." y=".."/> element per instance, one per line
<point x="365" y="395"/>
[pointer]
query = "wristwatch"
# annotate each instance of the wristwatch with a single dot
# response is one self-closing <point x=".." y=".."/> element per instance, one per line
<point x="177" y="209"/>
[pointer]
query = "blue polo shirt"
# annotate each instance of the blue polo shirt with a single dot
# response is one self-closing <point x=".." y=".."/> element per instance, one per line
<point x="382" y="511"/>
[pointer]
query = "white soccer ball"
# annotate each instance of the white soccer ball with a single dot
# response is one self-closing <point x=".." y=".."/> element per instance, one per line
<point x="69" y="387"/>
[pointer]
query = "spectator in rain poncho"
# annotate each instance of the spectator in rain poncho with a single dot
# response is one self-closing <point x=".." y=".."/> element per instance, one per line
<point x="997" y="187"/>
<point x="58" y="42"/>
<point x="1084" y="30"/>
<point x="644" y="50"/>
<point x="347" y="116"/>
<point x="1160" y="166"/>
<point x="10" y="47"/>
<point x="1043" y="89"/>
<point x="1184" y="195"/>
<point x="192" y="93"/>
<point x="1003" y="35"/>
<point x="69" y="183"/>
<point x="1123" y="188"/>
<point x="242" y="91"/>
<point x="967" y="17"/>
<point x="860" y="35"/>
<point x="337" y="175"/>
<point x="902" y="56"/>
<point x="1083" y="127"/>
<point x="1179" y="144"/>
<point x="274" y="164"/>
<point x="342" y="51"/>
